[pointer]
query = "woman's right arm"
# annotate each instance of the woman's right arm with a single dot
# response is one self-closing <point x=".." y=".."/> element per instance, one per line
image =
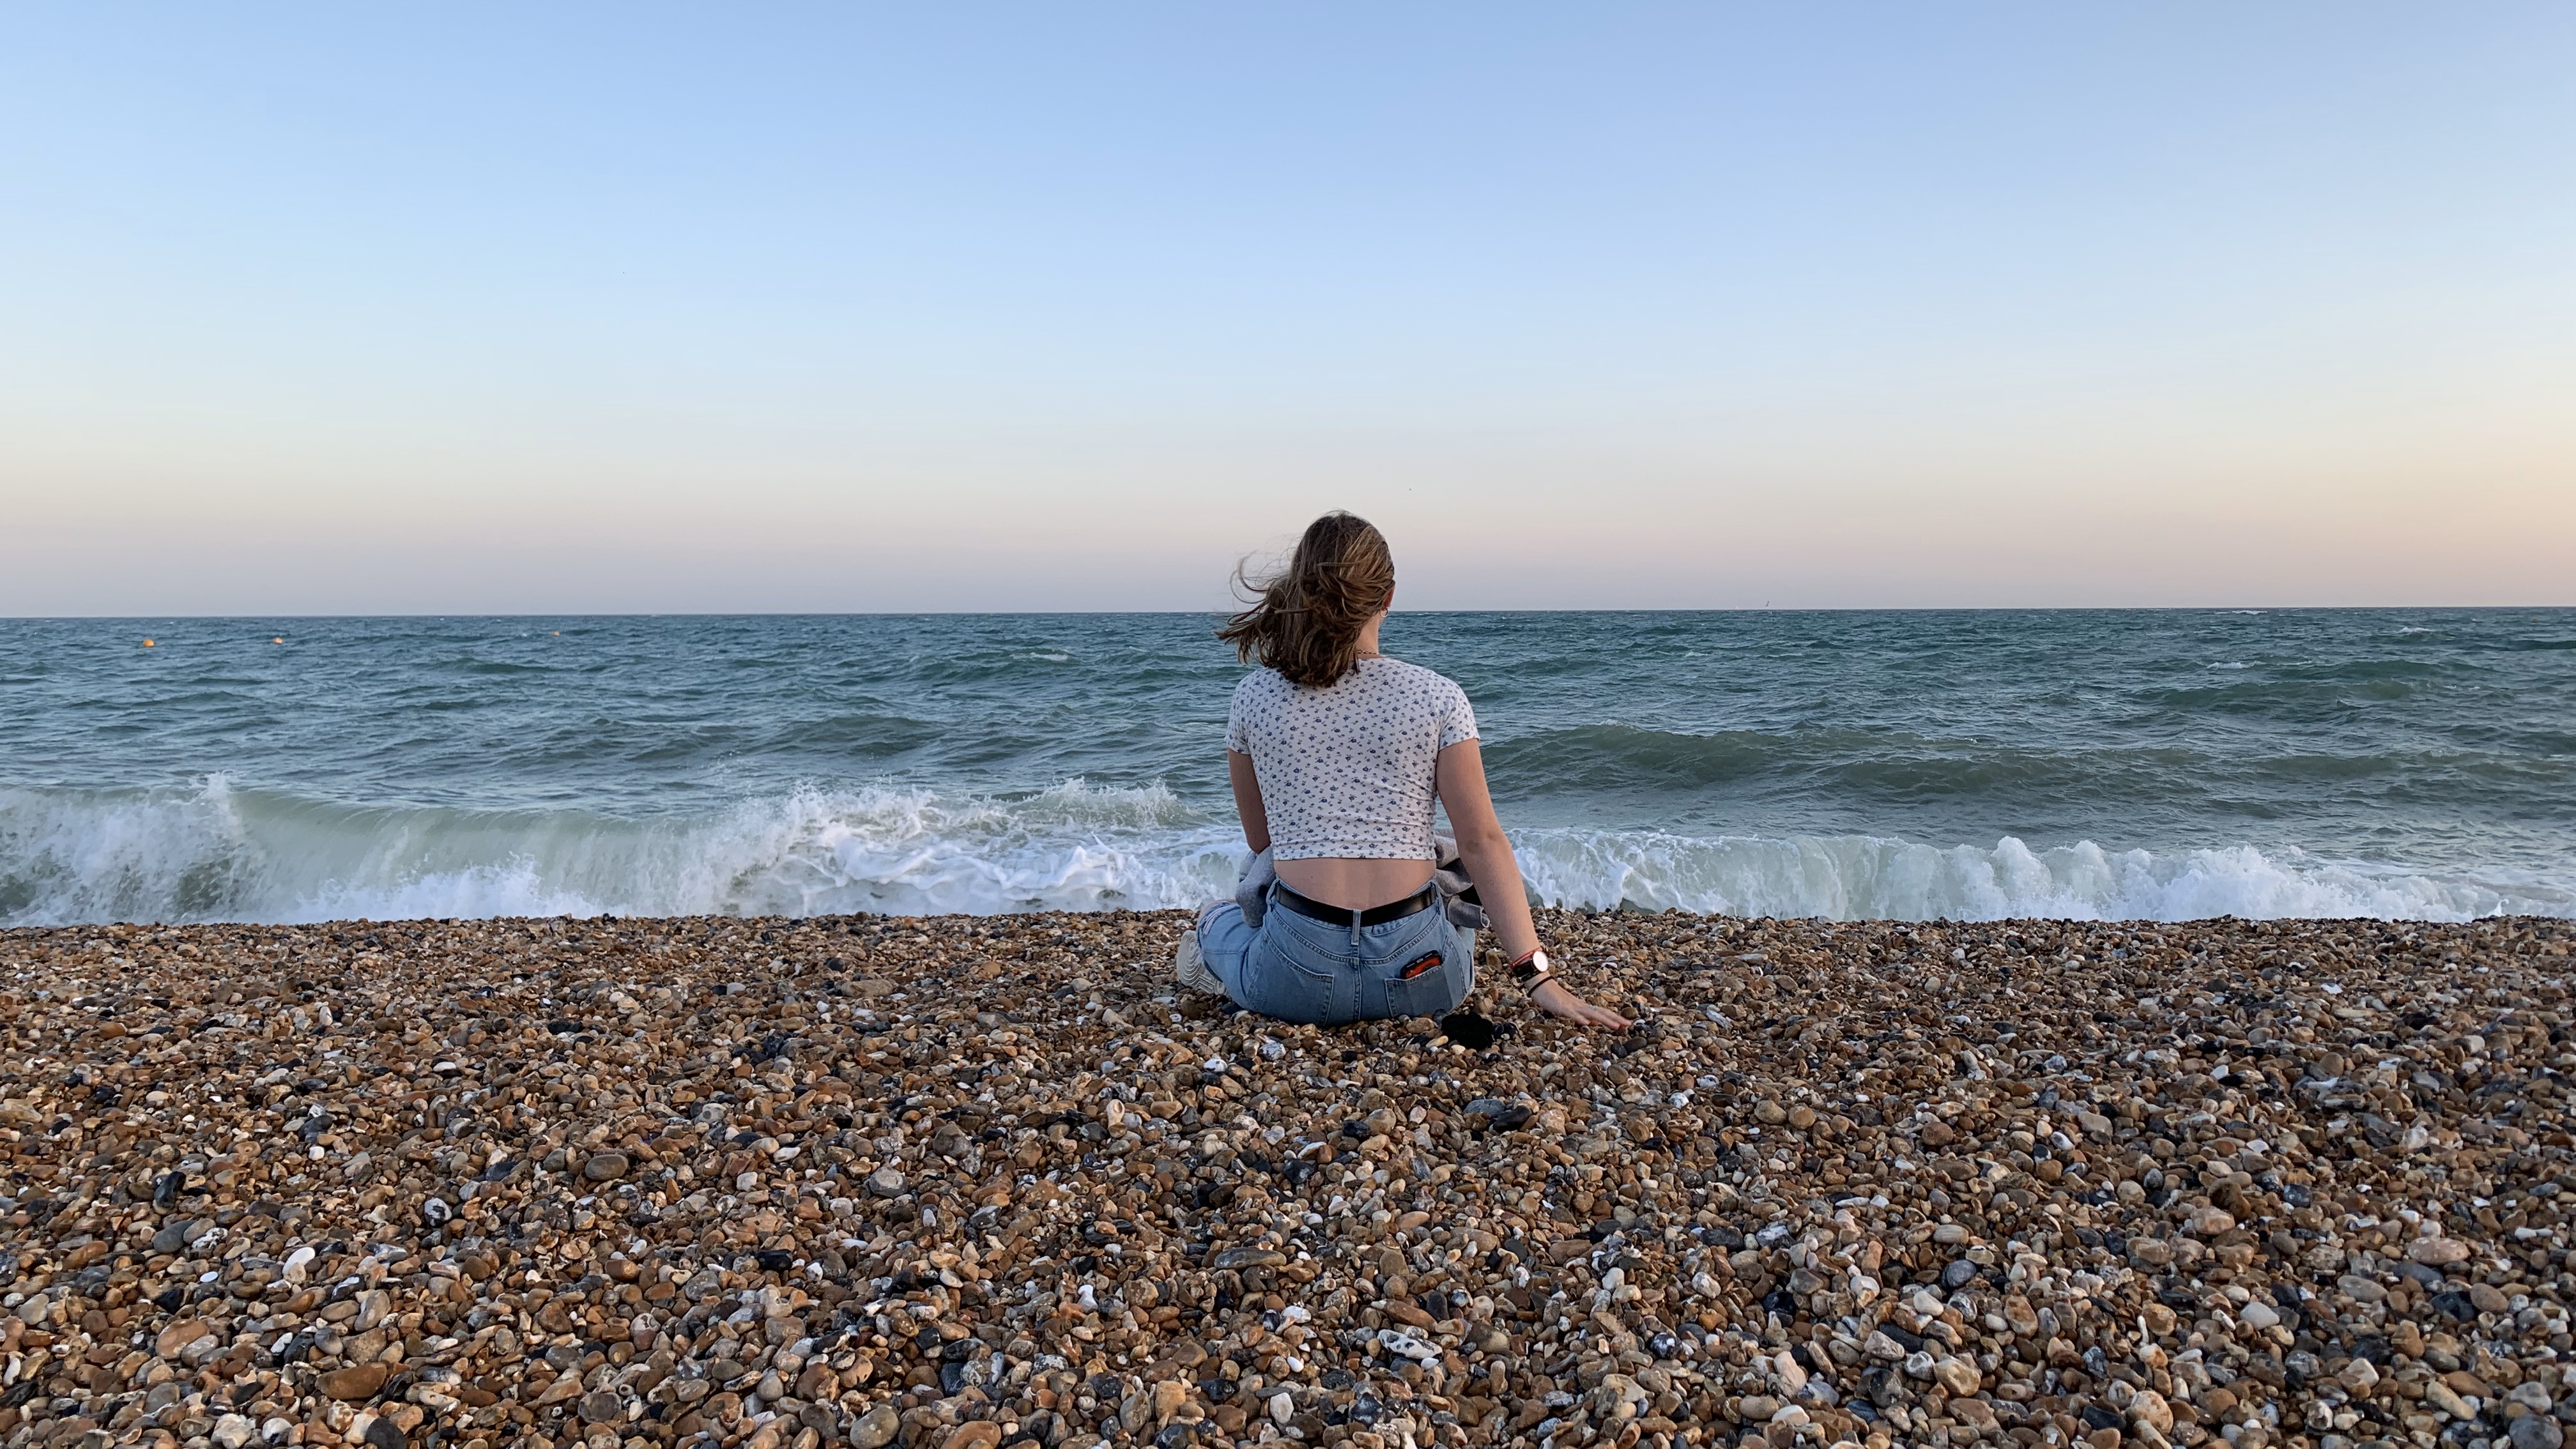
<point x="1247" y="800"/>
<point x="1487" y="852"/>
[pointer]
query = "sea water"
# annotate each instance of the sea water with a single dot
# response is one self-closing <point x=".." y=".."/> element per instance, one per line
<point x="2096" y="764"/>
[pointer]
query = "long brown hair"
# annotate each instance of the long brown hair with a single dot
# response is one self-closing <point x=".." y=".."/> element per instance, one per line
<point x="1305" y="621"/>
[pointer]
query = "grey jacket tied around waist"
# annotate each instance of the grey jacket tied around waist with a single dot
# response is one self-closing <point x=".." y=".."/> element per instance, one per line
<point x="1448" y="876"/>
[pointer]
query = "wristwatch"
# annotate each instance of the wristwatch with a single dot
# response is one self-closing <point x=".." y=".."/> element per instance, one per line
<point x="1532" y="969"/>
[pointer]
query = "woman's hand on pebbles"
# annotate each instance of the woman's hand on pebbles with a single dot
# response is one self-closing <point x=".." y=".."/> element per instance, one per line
<point x="1556" y="1000"/>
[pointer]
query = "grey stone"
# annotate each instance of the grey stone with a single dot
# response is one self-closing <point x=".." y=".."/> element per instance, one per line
<point x="876" y="1428"/>
<point x="2535" y="1431"/>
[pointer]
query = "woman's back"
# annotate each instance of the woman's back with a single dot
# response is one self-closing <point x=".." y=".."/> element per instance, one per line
<point x="1346" y="769"/>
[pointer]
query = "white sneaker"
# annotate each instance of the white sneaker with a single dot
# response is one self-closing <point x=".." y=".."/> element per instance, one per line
<point x="1191" y="970"/>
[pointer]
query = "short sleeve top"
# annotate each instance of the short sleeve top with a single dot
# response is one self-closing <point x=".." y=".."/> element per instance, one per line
<point x="1347" y="769"/>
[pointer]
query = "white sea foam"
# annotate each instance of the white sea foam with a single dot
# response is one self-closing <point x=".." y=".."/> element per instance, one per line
<point x="216" y="853"/>
<point x="1853" y="877"/>
<point x="220" y="853"/>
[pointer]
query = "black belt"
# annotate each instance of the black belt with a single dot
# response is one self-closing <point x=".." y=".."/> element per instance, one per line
<point x="1420" y="900"/>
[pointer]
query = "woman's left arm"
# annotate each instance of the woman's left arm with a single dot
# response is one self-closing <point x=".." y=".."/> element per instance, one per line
<point x="1459" y="778"/>
<point x="1247" y="800"/>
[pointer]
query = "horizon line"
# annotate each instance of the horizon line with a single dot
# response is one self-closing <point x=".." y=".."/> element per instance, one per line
<point x="1219" y="613"/>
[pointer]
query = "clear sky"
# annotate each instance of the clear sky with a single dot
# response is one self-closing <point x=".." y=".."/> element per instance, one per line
<point x="451" y="308"/>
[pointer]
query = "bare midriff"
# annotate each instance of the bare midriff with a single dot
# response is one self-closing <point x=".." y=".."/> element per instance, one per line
<point x="1353" y="883"/>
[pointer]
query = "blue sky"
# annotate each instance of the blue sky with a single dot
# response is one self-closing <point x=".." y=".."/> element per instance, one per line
<point x="661" y="308"/>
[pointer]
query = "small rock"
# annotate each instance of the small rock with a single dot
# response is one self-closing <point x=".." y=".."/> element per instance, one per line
<point x="876" y="1428"/>
<point x="357" y="1384"/>
<point x="1957" y="1375"/>
<point x="605" y="1167"/>
<point x="2020" y="1316"/>
<point x="2536" y="1431"/>
<point x="2437" y="1252"/>
<point x="2149" y="1410"/>
<point x="1792" y="1377"/>
<point x="175" y="1338"/>
<point x="1408" y="1346"/>
<point x="232" y="1431"/>
<point x="886" y="1182"/>
<point x="1406" y="1312"/>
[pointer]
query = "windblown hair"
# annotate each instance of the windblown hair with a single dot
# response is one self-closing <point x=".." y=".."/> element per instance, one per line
<point x="1305" y="621"/>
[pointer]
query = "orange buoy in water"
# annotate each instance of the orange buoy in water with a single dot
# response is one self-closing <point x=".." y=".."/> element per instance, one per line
<point x="147" y="643"/>
<point x="280" y="639"/>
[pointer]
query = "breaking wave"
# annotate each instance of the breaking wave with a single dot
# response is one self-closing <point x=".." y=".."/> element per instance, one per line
<point x="1855" y="877"/>
<point x="215" y="852"/>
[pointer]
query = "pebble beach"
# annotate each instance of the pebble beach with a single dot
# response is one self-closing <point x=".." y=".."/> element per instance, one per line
<point x="967" y="1182"/>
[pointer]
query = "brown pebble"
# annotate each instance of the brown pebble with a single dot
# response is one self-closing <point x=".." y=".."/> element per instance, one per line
<point x="356" y="1385"/>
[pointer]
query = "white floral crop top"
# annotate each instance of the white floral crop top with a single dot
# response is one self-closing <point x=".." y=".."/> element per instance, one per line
<point x="1346" y="770"/>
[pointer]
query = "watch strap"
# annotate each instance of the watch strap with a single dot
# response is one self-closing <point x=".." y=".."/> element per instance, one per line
<point x="1530" y="970"/>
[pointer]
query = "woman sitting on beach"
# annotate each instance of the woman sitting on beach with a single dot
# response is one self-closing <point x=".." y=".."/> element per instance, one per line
<point x="1337" y="754"/>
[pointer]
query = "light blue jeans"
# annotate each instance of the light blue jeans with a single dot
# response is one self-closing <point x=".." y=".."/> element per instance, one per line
<point x="1300" y="969"/>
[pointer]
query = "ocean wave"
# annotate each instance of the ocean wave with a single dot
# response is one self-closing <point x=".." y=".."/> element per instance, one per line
<point x="220" y="853"/>
<point x="215" y="852"/>
<point x="1861" y="877"/>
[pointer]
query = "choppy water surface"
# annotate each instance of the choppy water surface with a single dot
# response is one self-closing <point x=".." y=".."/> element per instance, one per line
<point x="2166" y="764"/>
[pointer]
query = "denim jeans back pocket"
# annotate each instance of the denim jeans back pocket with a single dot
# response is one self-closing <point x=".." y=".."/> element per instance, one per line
<point x="1293" y="973"/>
<point x="1430" y="976"/>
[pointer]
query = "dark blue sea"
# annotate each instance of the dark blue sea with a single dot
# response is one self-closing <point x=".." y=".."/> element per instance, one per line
<point x="2163" y="764"/>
